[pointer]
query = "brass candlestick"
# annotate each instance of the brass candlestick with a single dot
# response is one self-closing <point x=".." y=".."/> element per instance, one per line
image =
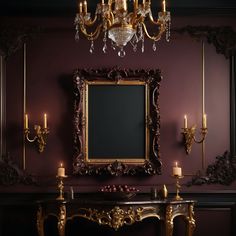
<point x="60" y="186"/>
<point x="178" y="187"/>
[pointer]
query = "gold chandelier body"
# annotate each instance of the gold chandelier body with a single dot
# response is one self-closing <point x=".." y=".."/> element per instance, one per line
<point x="121" y="26"/>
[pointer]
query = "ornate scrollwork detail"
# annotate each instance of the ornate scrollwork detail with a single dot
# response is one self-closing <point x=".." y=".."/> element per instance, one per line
<point x="169" y="220"/>
<point x="61" y="220"/>
<point x="116" y="168"/>
<point x="223" y="171"/>
<point x="223" y="38"/>
<point x="12" y="38"/>
<point x="116" y="217"/>
<point x="11" y="174"/>
<point x="191" y="221"/>
<point x="39" y="221"/>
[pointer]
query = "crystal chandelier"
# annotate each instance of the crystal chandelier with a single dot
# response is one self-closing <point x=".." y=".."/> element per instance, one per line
<point x="120" y="25"/>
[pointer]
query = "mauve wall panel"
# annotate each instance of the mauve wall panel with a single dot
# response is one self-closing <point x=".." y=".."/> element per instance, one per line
<point x="53" y="55"/>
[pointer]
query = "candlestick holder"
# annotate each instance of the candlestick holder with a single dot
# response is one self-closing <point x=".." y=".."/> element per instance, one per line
<point x="178" y="187"/>
<point x="39" y="138"/>
<point x="60" y="186"/>
<point x="189" y="137"/>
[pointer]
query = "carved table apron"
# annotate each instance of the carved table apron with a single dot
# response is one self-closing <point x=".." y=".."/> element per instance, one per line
<point x="115" y="214"/>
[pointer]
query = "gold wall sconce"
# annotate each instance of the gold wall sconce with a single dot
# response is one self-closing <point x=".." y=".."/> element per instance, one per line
<point x="189" y="133"/>
<point x="40" y="133"/>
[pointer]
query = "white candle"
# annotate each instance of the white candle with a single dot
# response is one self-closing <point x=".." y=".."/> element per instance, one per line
<point x="185" y="121"/>
<point x="26" y="121"/>
<point x="80" y="7"/>
<point x="45" y="121"/>
<point x="204" y="121"/>
<point x="164" y="5"/>
<point x="61" y="171"/>
<point x="102" y="2"/>
<point x="85" y="6"/>
<point x="177" y="171"/>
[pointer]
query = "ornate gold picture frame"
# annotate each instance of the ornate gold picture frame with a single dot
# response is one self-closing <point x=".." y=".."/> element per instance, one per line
<point x="116" y="122"/>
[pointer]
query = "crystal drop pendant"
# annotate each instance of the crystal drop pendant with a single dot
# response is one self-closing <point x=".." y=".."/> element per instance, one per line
<point x="91" y="47"/>
<point x="104" y="49"/>
<point x="142" y="48"/>
<point x="154" y="48"/>
<point x="121" y="53"/>
<point x="77" y="36"/>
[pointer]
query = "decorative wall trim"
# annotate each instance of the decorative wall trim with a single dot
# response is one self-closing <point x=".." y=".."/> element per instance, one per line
<point x="223" y="38"/>
<point x="233" y="106"/>
<point x="11" y="174"/>
<point x="12" y="38"/>
<point x="2" y="106"/>
<point x="223" y="171"/>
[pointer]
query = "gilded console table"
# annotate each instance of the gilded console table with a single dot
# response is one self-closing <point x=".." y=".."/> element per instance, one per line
<point x="116" y="214"/>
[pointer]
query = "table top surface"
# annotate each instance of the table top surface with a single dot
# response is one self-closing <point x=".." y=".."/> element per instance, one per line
<point x="99" y="198"/>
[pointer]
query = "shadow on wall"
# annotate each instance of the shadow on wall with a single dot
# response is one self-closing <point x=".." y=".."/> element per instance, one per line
<point x="65" y="128"/>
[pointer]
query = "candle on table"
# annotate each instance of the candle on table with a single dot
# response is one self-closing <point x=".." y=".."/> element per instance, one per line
<point x="45" y="121"/>
<point x="26" y="121"/>
<point x="204" y="121"/>
<point x="177" y="171"/>
<point x="61" y="171"/>
<point x="185" y="121"/>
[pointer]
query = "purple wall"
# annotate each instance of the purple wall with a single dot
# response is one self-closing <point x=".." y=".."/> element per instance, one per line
<point x="53" y="56"/>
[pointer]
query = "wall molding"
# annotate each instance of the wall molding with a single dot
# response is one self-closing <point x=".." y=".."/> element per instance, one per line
<point x="223" y="38"/>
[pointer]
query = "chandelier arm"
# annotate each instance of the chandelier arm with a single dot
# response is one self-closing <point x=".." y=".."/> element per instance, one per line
<point x="135" y="20"/>
<point x="110" y="19"/>
<point x="157" y="22"/>
<point x="91" y="36"/>
<point x="91" y="22"/>
<point x="156" y="37"/>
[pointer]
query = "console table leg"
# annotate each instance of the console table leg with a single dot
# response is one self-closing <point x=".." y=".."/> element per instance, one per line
<point x="191" y="222"/>
<point x="62" y="220"/>
<point x="169" y="221"/>
<point x="40" y="220"/>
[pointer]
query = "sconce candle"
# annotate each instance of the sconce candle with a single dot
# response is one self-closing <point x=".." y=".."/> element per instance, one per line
<point x="185" y="122"/>
<point x="45" y="121"/>
<point x="61" y="171"/>
<point x="26" y="121"/>
<point x="204" y="121"/>
<point x="177" y="171"/>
